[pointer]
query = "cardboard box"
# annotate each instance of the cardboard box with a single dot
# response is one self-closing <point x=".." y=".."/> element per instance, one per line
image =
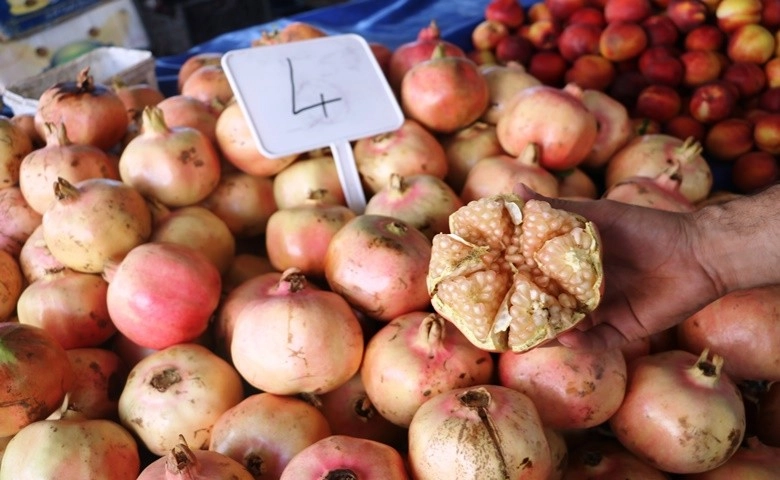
<point x="105" y="64"/>
<point x="113" y="23"/>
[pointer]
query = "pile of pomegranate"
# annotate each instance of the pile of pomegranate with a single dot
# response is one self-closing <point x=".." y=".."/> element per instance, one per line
<point x="174" y="304"/>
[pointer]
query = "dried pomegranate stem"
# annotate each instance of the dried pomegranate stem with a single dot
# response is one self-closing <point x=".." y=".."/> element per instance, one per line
<point x="63" y="189"/>
<point x="341" y="474"/>
<point x="479" y="399"/>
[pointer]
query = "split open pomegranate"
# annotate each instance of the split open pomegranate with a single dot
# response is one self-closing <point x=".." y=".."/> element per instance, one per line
<point x="512" y="275"/>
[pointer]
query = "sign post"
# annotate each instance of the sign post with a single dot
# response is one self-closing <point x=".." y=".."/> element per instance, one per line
<point x="310" y="94"/>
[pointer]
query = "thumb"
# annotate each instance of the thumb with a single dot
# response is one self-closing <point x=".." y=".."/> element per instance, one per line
<point x="577" y="206"/>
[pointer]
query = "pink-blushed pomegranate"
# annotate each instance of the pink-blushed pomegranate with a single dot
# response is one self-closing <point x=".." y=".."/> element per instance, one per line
<point x="99" y="376"/>
<point x="652" y="154"/>
<point x="179" y="390"/>
<point x="184" y="111"/>
<point x="184" y="462"/>
<point x="423" y="201"/>
<point x="92" y="112"/>
<point x="416" y="356"/>
<point x="72" y="447"/>
<point x="71" y="306"/>
<point x="753" y="460"/>
<point x="410" y="150"/>
<point x="245" y="266"/>
<point x="500" y="174"/>
<point x="194" y="62"/>
<point x="378" y="264"/>
<point x="297" y="339"/>
<point x="614" y="127"/>
<point x="210" y="85"/>
<point x="35" y="374"/>
<point x="604" y="459"/>
<point x="506" y="438"/>
<point x="35" y="259"/>
<point x="742" y="327"/>
<point x="244" y="202"/>
<point x="572" y="389"/>
<point x="136" y="96"/>
<point x="504" y="81"/>
<point x="555" y="119"/>
<point x="577" y="184"/>
<point x="513" y="274"/>
<point x="298" y="237"/>
<point x="12" y="283"/>
<point x="344" y="457"/>
<point x="408" y="54"/>
<point x="17" y="220"/>
<point x="15" y="144"/>
<point x="464" y="148"/>
<point x="234" y="301"/>
<point x="162" y="294"/>
<point x="681" y="414"/>
<point x="308" y="178"/>
<point x="264" y="431"/>
<point x="661" y="192"/>
<point x="60" y="158"/>
<point x="444" y="93"/>
<point x="95" y="221"/>
<point x="177" y="166"/>
<point x="199" y="228"/>
<point x="237" y="146"/>
<point x="350" y="412"/>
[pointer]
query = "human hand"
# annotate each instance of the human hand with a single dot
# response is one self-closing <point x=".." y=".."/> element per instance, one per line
<point x="652" y="278"/>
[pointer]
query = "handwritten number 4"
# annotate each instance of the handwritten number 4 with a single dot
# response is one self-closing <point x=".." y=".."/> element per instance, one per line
<point x="321" y="104"/>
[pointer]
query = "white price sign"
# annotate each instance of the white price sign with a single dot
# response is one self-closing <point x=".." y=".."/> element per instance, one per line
<point x="305" y="95"/>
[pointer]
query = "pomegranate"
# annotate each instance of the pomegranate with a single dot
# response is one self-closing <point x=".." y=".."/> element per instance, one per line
<point x="742" y="327"/>
<point x="264" y="431"/>
<point x="307" y="178"/>
<point x="378" y="264"/>
<point x="162" y="293"/>
<point x="292" y="317"/>
<point x="505" y="436"/>
<point x="571" y="388"/>
<point x="661" y="192"/>
<point x="183" y="462"/>
<point x="60" y="158"/>
<point x="614" y="127"/>
<point x="416" y="356"/>
<point x="244" y="267"/>
<point x="651" y="154"/>
<point x="179" y="390"/>
<point x="12" y="283"/>
<point x="15" y="144"/>
<point x="99" y="376"/>
<point x="299" y="236"/>
<point x="499" y="174"/>
<point x="341" y="456"/>
<point x="406" y="55"/>
<point x="576" y="183"/>
<point x="210" y="85"/>
<point x="237" y="146"/>
<point x="514" y="274"/>
<point x="681" y="413"/>
<point x="444" y="93"/>
<point x="177" y="166"/>
<point x="753" y="460"/>
<point x="136" y="97"/>
<point x="17" y="220"/>
<point x="35" y="374"/>
<point x="72" y="447"/>
<point x="243" y="202"/>
<point x="555" y="119"/>
<point x="35" y="259"/>
<point x="71" y="306"/>
<point x="350" y="412"/>
<point x="198" y="227"/>
<point x="423" y="201"/>
<point x="92" y="112"/>
<point x="194" y="62"/>
<point x="604" y="459"/>
<point x="95" y="221"/>
<point x="184" y="111"/>
<point x="234" y="301"/>
<point x="464" y="148"/>
<point x="410" y="150"/>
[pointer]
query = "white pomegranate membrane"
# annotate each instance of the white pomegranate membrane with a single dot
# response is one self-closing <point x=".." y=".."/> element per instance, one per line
<point x="512" y="275"/>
